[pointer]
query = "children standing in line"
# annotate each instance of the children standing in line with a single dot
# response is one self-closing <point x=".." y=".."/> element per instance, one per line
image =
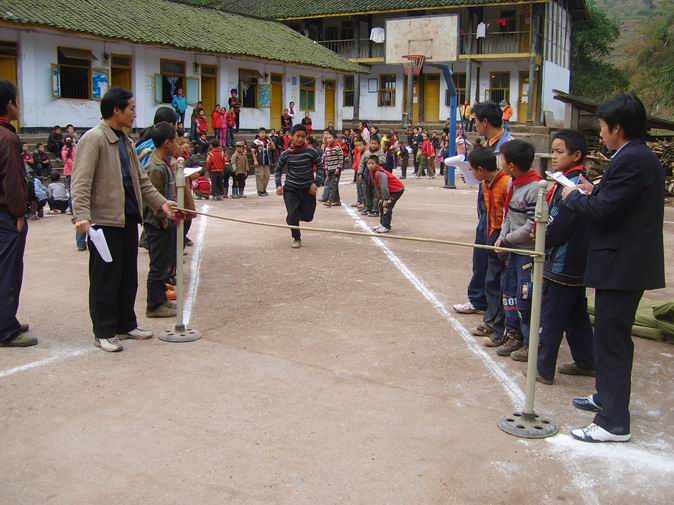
<point x="564" y="308"/>
<point x="517" y="157"/>
<point x="240" y="167"/>
<point x="215" y="164"/>
<point x="301" y="182"/>
<point x="333" y="161"/>
<point x="263" y="157"/>
<point x="389" y="188"/>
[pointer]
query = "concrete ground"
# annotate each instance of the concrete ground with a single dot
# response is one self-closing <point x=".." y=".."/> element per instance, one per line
<point x="333" y="374"/>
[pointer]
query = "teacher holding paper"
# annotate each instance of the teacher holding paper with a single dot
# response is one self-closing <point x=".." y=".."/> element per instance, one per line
<point x="625" y="258"/>
<point x="109" y="190"/>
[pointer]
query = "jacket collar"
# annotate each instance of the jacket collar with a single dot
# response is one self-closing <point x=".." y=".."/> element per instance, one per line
<point x="109" y="132"/>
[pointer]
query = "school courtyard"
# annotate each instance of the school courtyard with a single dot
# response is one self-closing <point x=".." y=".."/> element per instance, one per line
<point x="333" y="374"/>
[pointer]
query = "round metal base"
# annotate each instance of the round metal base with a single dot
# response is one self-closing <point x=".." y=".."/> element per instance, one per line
<point x="186" y="335"/>
<point x="524" y="425"/>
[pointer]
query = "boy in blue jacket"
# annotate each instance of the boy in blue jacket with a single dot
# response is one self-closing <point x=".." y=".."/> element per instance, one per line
<point x="564" y="309"/>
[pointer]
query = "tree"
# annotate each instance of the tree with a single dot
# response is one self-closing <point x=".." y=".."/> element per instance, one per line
<point x="650" y="66"/>
<point x="593" y="77"/>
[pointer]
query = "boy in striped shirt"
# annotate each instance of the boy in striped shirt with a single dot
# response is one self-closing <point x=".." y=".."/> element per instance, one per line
<point x="333" y="161"/>
<point x="301" y="184"/>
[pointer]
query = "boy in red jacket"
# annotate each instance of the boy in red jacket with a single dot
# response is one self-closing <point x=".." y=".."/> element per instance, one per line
<point x="215" y="164"/>
<point x="427" y="158"/>
<point x="230" y="120"/>
<point x="202" y="186"/>
<point x="389" y="188"/>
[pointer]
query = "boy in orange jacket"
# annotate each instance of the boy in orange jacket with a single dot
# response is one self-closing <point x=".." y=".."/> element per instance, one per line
<point x="215" y="164"/>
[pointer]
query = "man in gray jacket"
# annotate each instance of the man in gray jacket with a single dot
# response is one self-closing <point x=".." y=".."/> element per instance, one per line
<point x="109" y="190"/>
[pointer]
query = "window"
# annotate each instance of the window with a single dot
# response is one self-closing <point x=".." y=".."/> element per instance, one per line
<point x="508" y="21"/>
<point x="172" y="78"/>
<point x="347" y="30"/>
<point x="387" y="90"/>
<point x="307" y="93"/>
<point x="75" y="72"/>
<point x="499" y="87"/>
<point x="460" y="84"/>
<point x="248" y="87"/>
<point x="348" y="90"/>
<point x="120" y="71"/>
<point x="331" y="33"/>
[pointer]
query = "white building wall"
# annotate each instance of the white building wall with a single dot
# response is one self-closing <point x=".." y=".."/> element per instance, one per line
<point x="369" y="108"/>
<point x="554" y="77"/>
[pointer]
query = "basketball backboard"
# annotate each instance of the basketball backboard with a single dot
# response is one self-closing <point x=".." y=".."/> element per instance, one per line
<point x="435" y="37"/>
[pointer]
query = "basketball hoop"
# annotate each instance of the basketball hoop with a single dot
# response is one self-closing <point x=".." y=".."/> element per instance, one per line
<point x="414" y="65"/>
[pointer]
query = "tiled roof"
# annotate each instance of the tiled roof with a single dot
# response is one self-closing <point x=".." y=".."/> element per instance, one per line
<point x="287" y="9"/>
<point x="177" y="25"/>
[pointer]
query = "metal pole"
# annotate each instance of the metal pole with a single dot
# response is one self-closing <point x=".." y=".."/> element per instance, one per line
<point x="180" y="333"/>
<point x="410" y="97"/>
<point x="527" y="423"/>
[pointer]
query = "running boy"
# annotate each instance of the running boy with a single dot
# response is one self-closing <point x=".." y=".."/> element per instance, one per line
<point x="564" y="308"/>
<point x="389" y="188"/>
<point x="518" y="224"/>
<point x="301" y="185"/>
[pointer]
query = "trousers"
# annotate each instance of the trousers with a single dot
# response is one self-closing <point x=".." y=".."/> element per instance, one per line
<point x="217" y="186"/>
<point x="613" y="356"/>
<point x="494" y="316"/>
<point x="12" y="247"/>
<point x="386" y="217"/>
<point x="161" y="244"/>
<point x="476" y="294"/>
<point x="564" y="311"/>
<point x="332" y="186"/>
<point x="300" y="205"/>
<point x="262" y="178"/>
<point x="113" y="286"/>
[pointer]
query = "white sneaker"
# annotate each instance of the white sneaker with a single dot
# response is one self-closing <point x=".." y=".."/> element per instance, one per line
<point x="296" y="244"/>
<point x="108" y="344"/>
<point x="382" y="229"/>
<point x="466" y="308"/>
<point x="595" y="433"/>
<point x="137" y="334"/>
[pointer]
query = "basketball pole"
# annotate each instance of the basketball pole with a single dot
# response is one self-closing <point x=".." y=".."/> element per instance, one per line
<point x="447" y="72"/>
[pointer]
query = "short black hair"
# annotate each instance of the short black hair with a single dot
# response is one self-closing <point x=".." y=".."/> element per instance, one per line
<point x="55" y="177"/>
<point x="298" y="128"/>
<point x="489" y="111"/>
<point x="38" y="145"/>
<point x="162" y="132"/>
<point x="518" y="152"/>
<point x="625" y="110"/>
<point x="484" y="158"/>
<point x="262" y="129"/>
<point x="374" y="157"/>
<point x="7" y="95"/>
<point x="115" y="98"/>
<point x="165" y="114"/>
<point x="215" y="143"/>
<point x="69" y="126"/>
<point x="375" y="139"/>
<point x="574" y="140"/>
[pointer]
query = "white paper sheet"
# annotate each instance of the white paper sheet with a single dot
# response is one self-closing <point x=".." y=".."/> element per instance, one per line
<point x="563" y="180"/>
<point x="191" y="171"/>
<point x="98" y="239"/>
<point x="464" y="166"/>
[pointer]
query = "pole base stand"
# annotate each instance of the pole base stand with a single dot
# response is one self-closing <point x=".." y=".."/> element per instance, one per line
<point x="181" y="334"/>
<point x="524" y="425"/>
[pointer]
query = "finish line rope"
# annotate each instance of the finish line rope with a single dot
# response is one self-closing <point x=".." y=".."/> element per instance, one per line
<point x="363" y="234"/>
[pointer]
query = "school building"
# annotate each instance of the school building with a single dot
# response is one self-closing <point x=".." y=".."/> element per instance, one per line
<point x="63" y="56"/>
<point x="508" y="49"/>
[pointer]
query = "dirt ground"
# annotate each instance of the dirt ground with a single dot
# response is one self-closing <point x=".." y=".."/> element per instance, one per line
<point x="333" y="374"/>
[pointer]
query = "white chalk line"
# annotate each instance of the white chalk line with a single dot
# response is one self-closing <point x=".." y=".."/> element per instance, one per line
<point x="59" y="356"/>
<point x="195" y="267"/>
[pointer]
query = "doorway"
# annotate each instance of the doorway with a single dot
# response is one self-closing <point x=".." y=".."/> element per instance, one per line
<point x="329" y="87"/>
<point x="8" y="55"/>
<point x="209" y="91"/>
<point x="276" y="101"/>
<point x="432" y="98"/>
<point x="523" y="101"/>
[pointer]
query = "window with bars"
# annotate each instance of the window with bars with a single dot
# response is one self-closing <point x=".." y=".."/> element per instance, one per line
<point x="499" y="87"/>
<point x="460" y="84"/>
<point x="348" y="90"/>
<point x="172" y="77"/>
<point x="387" y="90"/>
<point x="307" y="93"/>
<point x="248" y="88"/>
<point x="75" y="73"/>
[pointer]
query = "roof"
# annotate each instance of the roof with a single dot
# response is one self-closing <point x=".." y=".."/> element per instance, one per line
<point x="301" y="9"/>
<point x="155" y="22"/>
<point x="591" y="107"/>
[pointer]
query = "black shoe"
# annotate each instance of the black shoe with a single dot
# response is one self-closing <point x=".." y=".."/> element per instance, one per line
<point x="24" y="328"/>
<point x="586" y="403"/>
<point x="540" y="378"/>
<point x="574" y="369"/>
<point x="20" y="340"/>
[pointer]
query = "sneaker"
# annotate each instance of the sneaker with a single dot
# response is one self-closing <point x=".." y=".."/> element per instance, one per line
<point x="515" y="342"/>
<point x="296" y="244"/>
<point x="108" y="344"/>
<point x="521" y="355"/>
<point x="20" y="340"/>
<point x="373" y="214"/>
<point x="364" y="211"/>
<point x="595" y="433"/>
<point x="574" y="369"/>
<point x="540" y="378"/>
<point x="320" y="200"/>
<point x="337" y="204"/>
<point x="382" y="229"/>
<point x="466" y="308"/>
<point x="327" y="204"/>
<point x="496" y="340"/>
<point x="24" y="328"/>
<point x="137" y="334"/>
<point x="164" y="310"/>
<point x="355" y="205"/>
<point x="482" y="330"/>
<point x="586" y="403"/>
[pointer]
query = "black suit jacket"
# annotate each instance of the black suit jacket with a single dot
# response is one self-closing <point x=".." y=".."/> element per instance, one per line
<point x="626" y="211"/>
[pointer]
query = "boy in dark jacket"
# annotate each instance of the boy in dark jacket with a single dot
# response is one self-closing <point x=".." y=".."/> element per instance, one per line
<point x="55" y="141"/>
<point x="41" y="160"/>
<point x="564" y="308"/>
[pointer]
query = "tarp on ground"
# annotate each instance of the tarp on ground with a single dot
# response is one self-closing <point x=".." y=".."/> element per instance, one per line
<point x="646" y="324"/>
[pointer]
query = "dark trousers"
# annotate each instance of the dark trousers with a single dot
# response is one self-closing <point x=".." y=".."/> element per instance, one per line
<point x="161" y="244"/>
<point x="226" y="175"/>
<point x="332" y="186"/>
<point x="524" y="266"/>
<point x="12" y="246"/>
<point x="181" y="115"/>
<point x="564" y="310"/>
<point x="403" y="167"/>
<point x="416" y="161"/>
<point x="238" y="120"/>
<point x="60" y="205"/>
<point x="509" y="295"/>
<point x="113" y="286"/>
<point x="476" y="294"/>
<point x="217" y="188"/>
<point x="300" y="205"/>
<point x="239" y="182"/>
<point x="494" y="316"/>
<point x="386" y="216"/>
<point x="613" y="356"/>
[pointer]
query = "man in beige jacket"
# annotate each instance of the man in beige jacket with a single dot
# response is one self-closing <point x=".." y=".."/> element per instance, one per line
<point x="109" y="190"/>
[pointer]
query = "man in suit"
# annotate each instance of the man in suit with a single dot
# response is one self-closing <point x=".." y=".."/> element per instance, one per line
<point x="625" y="258"/>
